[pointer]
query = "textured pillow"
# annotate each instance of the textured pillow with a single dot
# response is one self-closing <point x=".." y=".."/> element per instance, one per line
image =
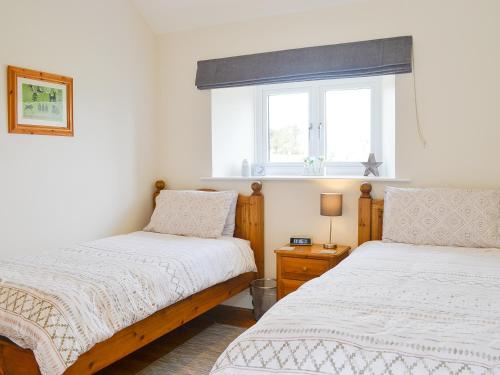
<point x="445" y="217"/>
<point x="191" y="213"/>
<point x="231" y="218"/>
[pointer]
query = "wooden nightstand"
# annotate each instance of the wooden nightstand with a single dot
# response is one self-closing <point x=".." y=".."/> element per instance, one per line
<point x="295" y="267"/>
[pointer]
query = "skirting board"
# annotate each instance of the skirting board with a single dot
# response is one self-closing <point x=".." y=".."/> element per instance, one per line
<point x="242" y="300"/>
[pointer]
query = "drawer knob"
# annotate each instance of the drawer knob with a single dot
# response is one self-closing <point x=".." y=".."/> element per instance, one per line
<point x="304" y="269"/>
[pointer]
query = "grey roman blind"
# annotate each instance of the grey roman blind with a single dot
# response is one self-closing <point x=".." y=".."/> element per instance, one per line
<point x="358" y="59"/>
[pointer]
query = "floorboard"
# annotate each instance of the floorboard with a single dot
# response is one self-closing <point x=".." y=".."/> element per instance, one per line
<point x="135" y="362"/>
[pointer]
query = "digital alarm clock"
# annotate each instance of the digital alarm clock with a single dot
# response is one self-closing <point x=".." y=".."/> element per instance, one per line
<point x="301" y="241"/>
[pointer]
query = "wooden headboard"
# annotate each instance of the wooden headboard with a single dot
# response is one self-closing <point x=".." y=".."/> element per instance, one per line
<point x="370" y="215"/>
<point x="249" y="220"/>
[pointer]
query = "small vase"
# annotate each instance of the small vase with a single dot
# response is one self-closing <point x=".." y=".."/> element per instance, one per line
<point x="245" y="168"/>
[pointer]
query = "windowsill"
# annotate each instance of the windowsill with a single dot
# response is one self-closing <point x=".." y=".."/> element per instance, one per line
<point x="306" y="178"/>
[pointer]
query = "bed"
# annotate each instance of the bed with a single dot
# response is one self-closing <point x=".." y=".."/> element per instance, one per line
<point x="101" y="300"/>
<point x="389" y="308"/>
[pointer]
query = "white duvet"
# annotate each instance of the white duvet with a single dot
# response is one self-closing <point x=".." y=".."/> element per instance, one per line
<point x="61" y="304"/>
<point x="387" y="309"/>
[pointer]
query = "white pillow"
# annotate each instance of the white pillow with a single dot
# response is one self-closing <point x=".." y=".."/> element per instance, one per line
<point x="231" y="218"/>
<point x="191" y="213"/>
<point x="442" y="217"/>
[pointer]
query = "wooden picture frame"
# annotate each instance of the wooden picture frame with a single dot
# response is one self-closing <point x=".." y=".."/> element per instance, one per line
<point x="39" y="103"/>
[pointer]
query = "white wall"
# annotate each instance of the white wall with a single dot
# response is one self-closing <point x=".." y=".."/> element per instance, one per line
<point x="233" y="123"/>
<point x="58" y="190"/>
<point x="388" y="126"/>
<point x="457" y="59"/>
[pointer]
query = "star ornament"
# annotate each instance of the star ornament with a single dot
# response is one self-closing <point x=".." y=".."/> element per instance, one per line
<point x="371" y="166"/>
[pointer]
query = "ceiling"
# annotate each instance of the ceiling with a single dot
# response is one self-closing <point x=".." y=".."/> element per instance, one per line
<point x="173" y="15"/>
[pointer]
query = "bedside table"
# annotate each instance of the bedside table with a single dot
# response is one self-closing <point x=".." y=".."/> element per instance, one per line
<point x="295" y="267"/>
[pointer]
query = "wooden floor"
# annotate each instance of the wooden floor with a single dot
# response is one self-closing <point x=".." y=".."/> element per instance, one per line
<point x="135" y="362"/>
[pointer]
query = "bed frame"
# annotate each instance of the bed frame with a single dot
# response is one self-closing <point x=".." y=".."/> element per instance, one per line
<point x="249" y="225"/>
<point x="370" y="215"/>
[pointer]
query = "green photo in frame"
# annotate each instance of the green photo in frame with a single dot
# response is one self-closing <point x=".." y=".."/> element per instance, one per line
<point x="39" y="103"/>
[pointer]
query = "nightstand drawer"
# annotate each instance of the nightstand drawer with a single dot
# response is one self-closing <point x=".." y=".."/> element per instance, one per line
<point x="303" y="269"/>
<point x="296" y="266"/>
<point x="289" y="286"/>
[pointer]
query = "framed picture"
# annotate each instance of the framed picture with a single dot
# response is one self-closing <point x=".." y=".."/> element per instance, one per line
<point x="39" y="103"/>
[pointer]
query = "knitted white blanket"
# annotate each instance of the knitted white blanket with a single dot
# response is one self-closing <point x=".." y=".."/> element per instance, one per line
<point x="61" y="304"/>
<point x="386" y="309"/>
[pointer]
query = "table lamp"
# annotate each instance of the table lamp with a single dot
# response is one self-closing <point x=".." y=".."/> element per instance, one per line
<point x="331" y="205"/>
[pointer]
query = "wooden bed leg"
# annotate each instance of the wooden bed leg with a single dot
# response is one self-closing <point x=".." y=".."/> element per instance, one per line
<point x="16" y="361"/>
<point x="365" y="213"/>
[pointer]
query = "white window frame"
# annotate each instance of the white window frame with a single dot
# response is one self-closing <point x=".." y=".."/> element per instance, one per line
<point x="317" y="115"/>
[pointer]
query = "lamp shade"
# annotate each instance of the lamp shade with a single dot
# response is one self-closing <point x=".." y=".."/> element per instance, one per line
<point x="331" y="204"/>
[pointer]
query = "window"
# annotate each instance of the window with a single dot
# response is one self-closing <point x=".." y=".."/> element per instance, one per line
<point x="340" y="121"/>
<point x="348" y="121"/>
<point x="288" y="127"/>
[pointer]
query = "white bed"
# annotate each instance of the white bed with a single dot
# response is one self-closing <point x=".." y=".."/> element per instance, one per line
<point x="389" y="308"/>
<point x="61" y="304"/>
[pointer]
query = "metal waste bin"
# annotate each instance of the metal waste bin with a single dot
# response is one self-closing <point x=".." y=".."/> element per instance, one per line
<point x="263" y="293"/>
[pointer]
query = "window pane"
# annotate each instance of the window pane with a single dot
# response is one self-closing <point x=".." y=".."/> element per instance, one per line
<point x="348" y="124"/>
<point x="288" y="127"/>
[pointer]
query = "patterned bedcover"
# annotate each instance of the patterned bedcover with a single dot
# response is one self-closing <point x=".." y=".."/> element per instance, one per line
<point x="61" y="304"/>
<point x="387" y="309"/>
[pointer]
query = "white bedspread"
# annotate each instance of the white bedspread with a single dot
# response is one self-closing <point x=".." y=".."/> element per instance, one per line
<point x="387" y="309"/>
<point x="61" y="304"/>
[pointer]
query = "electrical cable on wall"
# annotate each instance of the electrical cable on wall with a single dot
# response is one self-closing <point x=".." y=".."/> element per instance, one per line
<point x="417" y="116"/>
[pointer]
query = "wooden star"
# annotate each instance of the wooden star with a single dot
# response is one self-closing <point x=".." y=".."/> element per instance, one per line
<point x="371" y="166"/>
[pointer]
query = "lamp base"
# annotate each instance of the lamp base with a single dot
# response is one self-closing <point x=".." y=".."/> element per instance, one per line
<point x="329" y="246"/>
